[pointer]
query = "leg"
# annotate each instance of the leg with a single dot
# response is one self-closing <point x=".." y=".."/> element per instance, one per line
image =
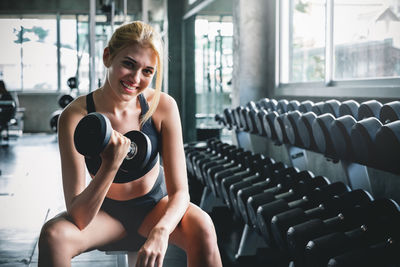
<point x="195" y="234"/>
<point x="60" y="240"/>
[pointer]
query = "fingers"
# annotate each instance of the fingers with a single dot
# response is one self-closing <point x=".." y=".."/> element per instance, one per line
<point x="149" y="259"/>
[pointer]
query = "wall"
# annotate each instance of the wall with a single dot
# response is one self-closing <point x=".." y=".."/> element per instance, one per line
<point x="38" y="109"/>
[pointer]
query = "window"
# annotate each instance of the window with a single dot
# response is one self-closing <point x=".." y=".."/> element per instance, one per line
<point x="339" y="40"/>
<point x="29" y="51"/>
<point x="214" y="65"/>
<point x="28" y="59"/>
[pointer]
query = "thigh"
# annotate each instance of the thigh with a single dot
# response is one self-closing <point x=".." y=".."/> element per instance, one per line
<point x="193" y="223"/>
<point x="102" y="230"/>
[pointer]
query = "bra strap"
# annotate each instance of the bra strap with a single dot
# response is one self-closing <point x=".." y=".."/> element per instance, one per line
<point x="90" y="103"/>
<point x="143" y="104"/>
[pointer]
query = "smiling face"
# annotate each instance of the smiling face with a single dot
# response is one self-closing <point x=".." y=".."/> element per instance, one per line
<point x="131" y="70"/>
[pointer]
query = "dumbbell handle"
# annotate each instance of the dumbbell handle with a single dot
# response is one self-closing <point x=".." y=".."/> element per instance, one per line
<point x="132" y="151"/>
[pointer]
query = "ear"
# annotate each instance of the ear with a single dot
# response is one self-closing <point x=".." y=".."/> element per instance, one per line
<point x="106" y="57"/>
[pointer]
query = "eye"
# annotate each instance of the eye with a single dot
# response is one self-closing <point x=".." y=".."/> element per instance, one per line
<point x="148" y="71"/>
<point x="128" y="64"/>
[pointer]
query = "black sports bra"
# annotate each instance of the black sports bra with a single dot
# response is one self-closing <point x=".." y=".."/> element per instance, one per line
<point x="93" y="164"/>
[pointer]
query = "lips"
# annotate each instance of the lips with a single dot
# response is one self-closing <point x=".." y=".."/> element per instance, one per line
<point x="128" y="86"/>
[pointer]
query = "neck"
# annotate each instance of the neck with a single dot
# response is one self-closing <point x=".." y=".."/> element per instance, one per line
<point x="114" y="104"/>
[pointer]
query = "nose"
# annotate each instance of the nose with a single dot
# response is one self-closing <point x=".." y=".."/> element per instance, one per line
<point x="136" y="76"/>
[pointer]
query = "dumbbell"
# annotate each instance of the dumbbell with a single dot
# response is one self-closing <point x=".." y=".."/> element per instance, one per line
<point x="239" y="163"/>
<point x="223" y="154"/>
<point x="299" y="235"/>
<point x="191" y="150"/>
<point x="305" y="130"/>
<point x="245" y="168"/>
<point x="293" y="105"/>
<point x="254" y="197"/>
<point x="390" y="112"/>
<point x="306" y="106"/>
<point x="268" y="104"/>
<point x="282" y="106"/>
<point x="387" y="143"/>
<point x="292" y="131"/>
<point x="349" y="107"/>
<point x="232" y="158"/>
<point x="370" y="108"/>
<point x="265" y="179"/>
<point x="228" y="118"/>
<point x="218" y="155"/>
<point x="250" y="198"/>
<point x="257" y="170"/>
<point x="312" y="199"/>
<point x="232" y="186"/>
<point x="363" y="135"/>
<point x="92" y="135"/>
<point x="64" y="100"/>
<point x="192" y="157"/>
<point x="54" y="120"/>
<point x="383" y="226"/>
<point x="281" y="222"/>
<point x="383" y="254"/>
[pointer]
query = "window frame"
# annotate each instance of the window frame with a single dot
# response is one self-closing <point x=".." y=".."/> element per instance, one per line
<point x="354" y="88"/>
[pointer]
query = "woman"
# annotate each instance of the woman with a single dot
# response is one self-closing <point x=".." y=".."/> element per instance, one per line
<point x="151" y="207"/>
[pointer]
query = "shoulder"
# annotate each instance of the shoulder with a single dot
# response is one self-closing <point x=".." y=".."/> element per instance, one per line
<point x="167" y="102"/>
<point x="74" y="111"/>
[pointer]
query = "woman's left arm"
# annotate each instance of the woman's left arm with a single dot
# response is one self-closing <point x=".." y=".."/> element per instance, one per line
<point x="174" y="164"/>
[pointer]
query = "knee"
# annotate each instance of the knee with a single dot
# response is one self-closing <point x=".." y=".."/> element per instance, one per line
<point x="203" y="231"/>
<point x="52" y="234"/>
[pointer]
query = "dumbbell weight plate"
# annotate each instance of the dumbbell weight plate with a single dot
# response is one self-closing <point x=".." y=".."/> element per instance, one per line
<point x="292" y="132"/>
<point x="268" y="122"/>
<point x="363" y="135"/>
<point x="341" y="136"/>
<point x="280" y="129"/>
<point x="92" y="134"/>
<point x="368" y="109"/>
<point x="332" y="107"/>
<point x="64" y="100"/>
<point x="306" y="106"/>
<point x="318" y="108"/>
<point x="349" y="107"/>
<point x="293" y="105"/>
<point x="390" y="112"/>
<point x="388" y="146"/>
<point x="54" y="120"/>
<point x="141" y="150"/>
<point x="321" y="133"/>
<point x="304" y="125"/>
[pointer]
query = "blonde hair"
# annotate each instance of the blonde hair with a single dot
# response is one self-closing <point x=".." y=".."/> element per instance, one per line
<point x="138" y="32"/>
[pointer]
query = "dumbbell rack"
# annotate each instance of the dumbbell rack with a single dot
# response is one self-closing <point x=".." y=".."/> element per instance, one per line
<point x="246" y="133"/>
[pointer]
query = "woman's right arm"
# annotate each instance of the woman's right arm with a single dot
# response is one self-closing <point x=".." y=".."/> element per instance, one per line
<point x="83" y="203"/>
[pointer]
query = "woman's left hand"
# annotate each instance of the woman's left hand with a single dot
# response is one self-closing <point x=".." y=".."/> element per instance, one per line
<point x="152" y="253"/>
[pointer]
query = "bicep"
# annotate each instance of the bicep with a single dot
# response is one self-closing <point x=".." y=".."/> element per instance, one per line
<point x="72" y="163"/>
<point x="172" y="150"/>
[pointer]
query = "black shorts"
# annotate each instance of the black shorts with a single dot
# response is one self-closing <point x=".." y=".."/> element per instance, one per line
<point x="131" y="214"/>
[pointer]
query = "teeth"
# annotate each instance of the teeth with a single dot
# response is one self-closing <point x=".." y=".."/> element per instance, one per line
<point x="127" y="86"/>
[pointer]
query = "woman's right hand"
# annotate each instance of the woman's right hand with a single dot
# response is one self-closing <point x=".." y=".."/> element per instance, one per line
<point x="116" y="150"/>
